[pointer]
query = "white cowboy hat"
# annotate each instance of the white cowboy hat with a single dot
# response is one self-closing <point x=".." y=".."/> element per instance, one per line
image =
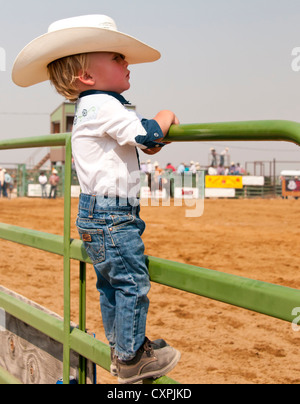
<point x="71" y="36"/>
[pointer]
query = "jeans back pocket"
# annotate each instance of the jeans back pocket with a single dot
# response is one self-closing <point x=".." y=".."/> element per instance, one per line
<point x="93" y="241"/>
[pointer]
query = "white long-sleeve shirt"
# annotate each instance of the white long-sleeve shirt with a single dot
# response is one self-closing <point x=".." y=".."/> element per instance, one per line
<point x="104" y="141"/>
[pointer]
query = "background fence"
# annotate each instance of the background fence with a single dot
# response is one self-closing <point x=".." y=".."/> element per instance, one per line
<point x="26" y="183"/>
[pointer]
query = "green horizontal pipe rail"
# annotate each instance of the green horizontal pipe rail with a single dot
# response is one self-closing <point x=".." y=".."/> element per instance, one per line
<point x="276" y="130"/>
<point x="263" y="297"/>
<point x="44" y="322"/>
<point x="7" y="378"/>
<point x="37" y="141"/>
<point x="264" y="130"/>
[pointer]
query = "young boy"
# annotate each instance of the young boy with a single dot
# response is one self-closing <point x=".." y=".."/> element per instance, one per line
<point x="87" y="60"/>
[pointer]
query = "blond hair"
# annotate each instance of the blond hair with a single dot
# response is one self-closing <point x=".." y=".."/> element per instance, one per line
<point x="63" y="74"/>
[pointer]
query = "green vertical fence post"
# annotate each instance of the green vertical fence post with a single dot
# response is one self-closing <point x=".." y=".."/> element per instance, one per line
<point x="22" y="182"/>
<point x="82" y="316"/>
<point x="67" y="274"/>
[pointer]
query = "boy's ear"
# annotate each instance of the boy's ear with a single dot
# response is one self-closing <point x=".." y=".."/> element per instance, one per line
<point x="86" y="78"/>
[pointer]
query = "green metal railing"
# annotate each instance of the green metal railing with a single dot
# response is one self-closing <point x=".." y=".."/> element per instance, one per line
<point x="237" y="131"/>
<point x="273" y="300"/>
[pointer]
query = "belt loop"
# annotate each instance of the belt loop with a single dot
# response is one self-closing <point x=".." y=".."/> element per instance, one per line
<point x="135" y="209"/>
<point x="91" y="207"/>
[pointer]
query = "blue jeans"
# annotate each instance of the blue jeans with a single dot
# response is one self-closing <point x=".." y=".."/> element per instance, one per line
<point x="111" y="230"/>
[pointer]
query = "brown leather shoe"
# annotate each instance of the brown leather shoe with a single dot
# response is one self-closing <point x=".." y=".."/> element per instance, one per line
<point x="153" y="360"/>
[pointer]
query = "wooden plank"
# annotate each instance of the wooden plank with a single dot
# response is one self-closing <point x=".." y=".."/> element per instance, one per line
<point x="31" y="356"/>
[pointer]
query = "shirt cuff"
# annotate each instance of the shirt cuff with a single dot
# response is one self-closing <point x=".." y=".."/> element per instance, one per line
<point x="154" y="132"/>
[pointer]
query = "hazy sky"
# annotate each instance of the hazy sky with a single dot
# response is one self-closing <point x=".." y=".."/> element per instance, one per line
<point x="222" y="60"/>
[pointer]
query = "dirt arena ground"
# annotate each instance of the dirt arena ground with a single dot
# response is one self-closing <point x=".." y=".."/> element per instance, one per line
<point x="219" y="343"/>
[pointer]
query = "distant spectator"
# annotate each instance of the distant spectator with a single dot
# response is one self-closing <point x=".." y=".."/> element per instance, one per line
<point x="198" y="167"/>
<point x="213" y="161"/>
<point x="192" y="167"/>
<point x="170" y="167"/>
<point x="43" y="182"/>
<point x="9" y="184"/>
<point x="239" y="170"/>
<point x="220" y="170"/>
<point x="212" y="170"/>
<point x="232" y="169"/>
<point x="223" y="156"/>
<point x="148" y="172"/>
<point x="53" y="180"/>
<point x="157" y="169"/>
<point x="2" y="181"/>
<point x="158" y="180"/>
<point x="181" y="168"/>
<point x="4" y="184"/>
<point x="144" y="167"/>
<point x="149" y="166"/>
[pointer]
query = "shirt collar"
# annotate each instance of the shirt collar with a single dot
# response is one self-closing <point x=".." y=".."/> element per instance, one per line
<point x="118" y="96"/>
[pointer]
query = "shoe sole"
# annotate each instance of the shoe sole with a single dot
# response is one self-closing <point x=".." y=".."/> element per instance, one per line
<point x="153" y="375"/>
